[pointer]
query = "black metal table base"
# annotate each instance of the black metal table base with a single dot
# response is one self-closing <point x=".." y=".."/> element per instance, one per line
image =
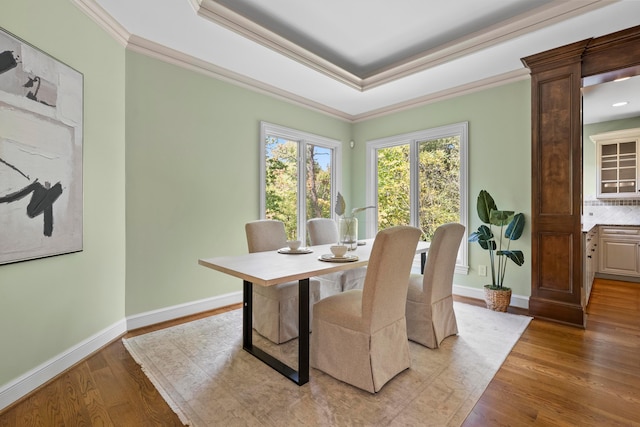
<point x="301" y="376"/>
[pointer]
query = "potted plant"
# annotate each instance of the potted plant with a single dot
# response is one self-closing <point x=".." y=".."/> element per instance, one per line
<point x="511" y="224"/>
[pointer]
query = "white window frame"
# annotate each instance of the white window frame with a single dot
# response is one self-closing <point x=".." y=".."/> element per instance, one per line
<point x="303" y="139"/>
<point x="413" y="139"/>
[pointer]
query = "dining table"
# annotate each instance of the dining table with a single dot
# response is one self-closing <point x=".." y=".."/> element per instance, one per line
<point x="270" y="268"/>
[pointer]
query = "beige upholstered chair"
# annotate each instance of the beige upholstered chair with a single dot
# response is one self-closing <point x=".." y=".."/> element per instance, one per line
<point x="430" y="315"/>
<point x="275" y="308"/>
<point x="360" y="336"/>
<point x="324" y="231"/>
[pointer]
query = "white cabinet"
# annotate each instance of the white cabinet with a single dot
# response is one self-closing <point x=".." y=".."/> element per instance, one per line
<point x="590" y="262"/>
<point x="618" y="171"/>
<point x="619" y="251"/>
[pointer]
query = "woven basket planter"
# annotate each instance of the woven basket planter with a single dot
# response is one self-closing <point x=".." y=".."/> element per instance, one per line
<point x="497" y="299"/>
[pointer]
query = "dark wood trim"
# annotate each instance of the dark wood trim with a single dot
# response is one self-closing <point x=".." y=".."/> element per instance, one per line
<point x="556" y="164"/>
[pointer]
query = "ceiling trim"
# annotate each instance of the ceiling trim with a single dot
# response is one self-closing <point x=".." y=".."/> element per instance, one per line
<point x="183" y="60"/>
<point x="94" y="11"/>
<point x="171" y="56"/>
<point x="540" y="17"/>
<point x="233" y="21"/>
<point x="499" y="80"/>
<point x="154" y="50"/>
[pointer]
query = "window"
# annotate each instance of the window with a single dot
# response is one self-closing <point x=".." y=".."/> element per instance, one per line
<point x="419" y="179"/>
<point x="299" y="175"/>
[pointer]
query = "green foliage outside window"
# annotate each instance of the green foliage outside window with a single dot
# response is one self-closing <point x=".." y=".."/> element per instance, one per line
<point x="438" y="182"/>
<point x="282" y="183"/>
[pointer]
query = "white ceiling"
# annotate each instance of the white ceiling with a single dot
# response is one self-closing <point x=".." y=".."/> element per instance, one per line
<point x="357" y="59"/>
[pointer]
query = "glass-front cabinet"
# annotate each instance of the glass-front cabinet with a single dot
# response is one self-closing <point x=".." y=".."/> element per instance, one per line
<point x="617" y="173"/>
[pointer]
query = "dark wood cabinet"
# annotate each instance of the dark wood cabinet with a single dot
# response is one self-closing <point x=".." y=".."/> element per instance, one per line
<point x="556" y="151"/>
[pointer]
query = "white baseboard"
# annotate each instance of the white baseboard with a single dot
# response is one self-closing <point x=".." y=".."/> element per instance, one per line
<point x="30" y="381"/>
<point x="175" y="312"/>
<point x="25" y="384"/>
<point x="519" y="301"/>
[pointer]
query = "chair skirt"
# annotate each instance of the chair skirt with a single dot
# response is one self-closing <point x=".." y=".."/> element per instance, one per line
<point x="353" y="279"/>
<point x="275" y="309"/>
<point x="429" y="324"/>
<point x="344" y="349"/>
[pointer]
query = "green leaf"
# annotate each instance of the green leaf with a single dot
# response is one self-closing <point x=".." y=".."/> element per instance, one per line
<point x="516" y="256"/>
<point x="500" y="218"/>
<point x="484" y="237"/>
<point x="485" y="205"/>
<point x="515" y="227"/>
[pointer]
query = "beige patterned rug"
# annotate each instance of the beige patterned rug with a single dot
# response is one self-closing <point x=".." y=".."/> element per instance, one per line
<point x="202" y="372"/>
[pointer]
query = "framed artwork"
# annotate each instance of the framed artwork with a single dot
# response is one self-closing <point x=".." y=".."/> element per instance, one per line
<point x="41" y="103"/>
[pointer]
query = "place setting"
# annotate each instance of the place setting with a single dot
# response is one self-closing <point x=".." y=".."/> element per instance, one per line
<point x="338" y="254"/>
<point x="294" y="248"/>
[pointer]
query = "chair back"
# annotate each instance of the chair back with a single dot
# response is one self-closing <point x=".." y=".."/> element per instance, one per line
<point x="441" y="261"/>
<point x="265" y="235"/>
<point x="385" y="286"/>
<point x="322" y="231"/>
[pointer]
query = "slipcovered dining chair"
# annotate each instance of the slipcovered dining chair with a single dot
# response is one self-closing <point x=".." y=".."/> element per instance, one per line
<point x="324" y="231"/>
<point x="275" y="308"/>
<point x="429" y="308"/>
<point x="360" y="336"/>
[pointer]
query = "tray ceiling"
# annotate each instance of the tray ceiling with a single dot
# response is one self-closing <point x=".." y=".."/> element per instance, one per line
<point x="360" y="58"/>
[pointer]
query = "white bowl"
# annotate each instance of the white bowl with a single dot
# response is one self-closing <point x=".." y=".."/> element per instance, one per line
<point x="294" y="244"/>
<point x="338" y="251"/>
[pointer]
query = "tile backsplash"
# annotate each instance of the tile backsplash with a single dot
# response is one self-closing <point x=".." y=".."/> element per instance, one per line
<point x="620" y="212"/>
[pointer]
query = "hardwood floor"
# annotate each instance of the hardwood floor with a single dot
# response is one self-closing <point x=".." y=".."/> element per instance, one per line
<point x="556" y="375"/>
<point x="564" y="376"/>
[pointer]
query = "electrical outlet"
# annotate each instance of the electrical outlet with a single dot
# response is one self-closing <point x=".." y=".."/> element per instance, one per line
<point x="482" y="270"/>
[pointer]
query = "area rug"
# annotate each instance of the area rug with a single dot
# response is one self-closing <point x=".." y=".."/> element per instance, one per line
<point x="202" y="372"/>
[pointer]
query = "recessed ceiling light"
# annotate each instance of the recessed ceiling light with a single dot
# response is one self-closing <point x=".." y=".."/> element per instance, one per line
<point x="620" y="104"/>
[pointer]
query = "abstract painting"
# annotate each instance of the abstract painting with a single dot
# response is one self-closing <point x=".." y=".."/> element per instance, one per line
<point x="41" y="103"/>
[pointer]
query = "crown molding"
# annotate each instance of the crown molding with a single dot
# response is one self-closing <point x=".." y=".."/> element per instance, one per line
<point x="543" y="16"/>
<point x="180" y="59"/>
<point x="499" y="80"/>
<point x="168" y="55"/>
<point x="154" y="50"/>
<point x="233" y="21"/>
<point x="94" y="11"/>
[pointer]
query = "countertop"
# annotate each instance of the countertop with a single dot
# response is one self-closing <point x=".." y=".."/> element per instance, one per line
<point x="586" y="227"/>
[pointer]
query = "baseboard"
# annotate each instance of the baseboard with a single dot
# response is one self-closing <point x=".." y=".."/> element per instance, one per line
<point x="519" y="301"/>
<point x="618" y="277"/>
<point x="30" y="381"/>
<point x="175" y="312"/>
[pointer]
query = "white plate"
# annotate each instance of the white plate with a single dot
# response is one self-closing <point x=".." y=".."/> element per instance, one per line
<point x="296" y="252"/>
<point x="333" y="258"/>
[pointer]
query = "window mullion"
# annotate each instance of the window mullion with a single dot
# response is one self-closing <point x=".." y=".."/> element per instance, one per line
<point x="414" y="188"/>
<point x="302" y="189"/>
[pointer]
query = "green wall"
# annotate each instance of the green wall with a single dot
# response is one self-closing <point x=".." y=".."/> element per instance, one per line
<point x="50" y="305"/>
<point x="193" y="177"/>
<point x="499" y="161"/>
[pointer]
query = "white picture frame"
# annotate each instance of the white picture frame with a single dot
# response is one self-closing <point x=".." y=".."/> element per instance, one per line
<point x="41" y="141"/>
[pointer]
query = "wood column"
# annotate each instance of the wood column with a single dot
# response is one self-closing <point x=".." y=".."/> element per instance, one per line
<point x="556" y="144"/>
<point x="556" y="157"/>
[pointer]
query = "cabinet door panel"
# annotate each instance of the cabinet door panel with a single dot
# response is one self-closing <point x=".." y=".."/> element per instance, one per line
<point x="619" y="257"/>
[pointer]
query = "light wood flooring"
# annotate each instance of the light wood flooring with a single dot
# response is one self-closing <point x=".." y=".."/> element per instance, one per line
<point x="556" y="375"/>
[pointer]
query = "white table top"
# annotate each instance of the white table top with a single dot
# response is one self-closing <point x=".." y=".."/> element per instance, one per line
<point x="270" y="268"/>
